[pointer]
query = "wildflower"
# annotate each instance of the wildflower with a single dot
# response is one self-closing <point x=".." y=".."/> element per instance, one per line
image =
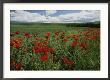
<point x="75" y="37"/>
<point x="67" y="61"/>
<point x="83" y="45"/>
<point x="47" y="35"/>
<point x="17" y="32"/>
<point x="44" y="57"/>
<point x="26" y="34"/>
<point x="65" y="40"/>
<point x="74" y="44"/>
<point x="62" y="35"/>
<point x="17" y="46"/>
<point x="93" y="37"/>
<point x="56" y="33"/>
<point x="18" y="66"/>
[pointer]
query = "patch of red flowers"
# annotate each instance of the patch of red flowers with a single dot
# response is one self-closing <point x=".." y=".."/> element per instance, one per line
<point x="17" y="42"/>
<point x="42" y="48"/>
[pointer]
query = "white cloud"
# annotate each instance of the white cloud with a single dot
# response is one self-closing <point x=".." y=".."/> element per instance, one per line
<point x="82" y="16"/>
<point x="24" y="16"/>
<point x="50" y="12"/>
<point x="53" y="19"/>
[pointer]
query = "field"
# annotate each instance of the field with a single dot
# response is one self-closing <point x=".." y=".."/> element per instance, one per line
<point x="54" y="47"/>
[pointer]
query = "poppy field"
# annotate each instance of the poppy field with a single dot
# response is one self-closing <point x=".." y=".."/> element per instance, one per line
<point x="54" y="47"/>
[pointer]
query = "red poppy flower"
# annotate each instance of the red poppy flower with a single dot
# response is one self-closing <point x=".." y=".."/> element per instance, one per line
<point x="65" y="40"/>
<point x="83" y="45"/>
<point x="26" y="34"/>
<point x="93" y="37"/>
<point x="18" y="66"/>
<point x="44" y="57"/>
<point x="56" y="33"/>
<point x="47" y="35"/>
<point x="75" y="37"/>
<point x="17" y="32"/>
<point x="17" y="46"/>
<point x="74" y="44"/>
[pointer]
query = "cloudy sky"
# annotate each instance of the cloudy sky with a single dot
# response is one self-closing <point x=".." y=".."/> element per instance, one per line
<point x="55" y="16"/>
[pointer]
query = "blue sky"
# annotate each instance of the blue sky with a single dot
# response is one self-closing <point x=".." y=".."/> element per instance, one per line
<point x="55" y="16"/>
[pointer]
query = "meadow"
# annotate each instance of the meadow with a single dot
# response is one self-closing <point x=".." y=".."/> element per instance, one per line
<point x="54" y="47"/>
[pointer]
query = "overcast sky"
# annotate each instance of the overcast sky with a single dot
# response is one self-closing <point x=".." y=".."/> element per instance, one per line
<point x="55" y="16"/>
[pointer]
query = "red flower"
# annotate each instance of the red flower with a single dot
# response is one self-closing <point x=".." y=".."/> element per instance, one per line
<point x="93" y="37"/>
<point x="76" y="37"/>
<point x="62" y="35"/>
<point x="47" y="35"/>
<point x="83" y="45"/>
<point x="27" y="35"/>
<point x="56" y="33"/>
<point x="18" y="66"/>
<point x="44" y="57"/>
<point x="67" y="61"/>
<point x="17" y="32"/>
<point x="65" y="40"/>
<point x="17" y="46"/>
<point x="74" y="44"/>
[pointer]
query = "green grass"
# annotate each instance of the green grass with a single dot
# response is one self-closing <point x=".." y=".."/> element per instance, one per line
<point x="88" y="59"/>
<point x="41" y="28"/>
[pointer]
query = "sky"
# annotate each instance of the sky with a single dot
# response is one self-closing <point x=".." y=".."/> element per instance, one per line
<point x="55" y="16"/>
